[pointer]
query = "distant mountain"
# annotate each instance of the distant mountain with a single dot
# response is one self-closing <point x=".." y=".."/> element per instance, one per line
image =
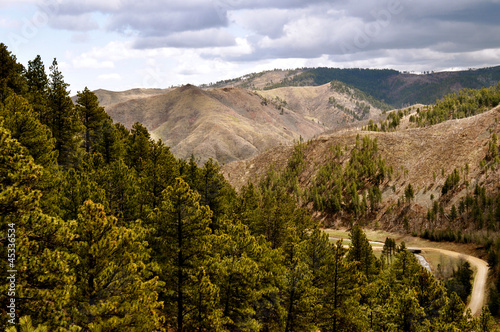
<point x="390" y="86"/>
<point x="223" y="124"/>
<point x="107" y="97"/>
<point x="239" y="118"/>
<point x="231" y="124"/>
<point x="335" y="105"/>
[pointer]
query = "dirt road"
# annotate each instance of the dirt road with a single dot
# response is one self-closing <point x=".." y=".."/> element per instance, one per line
<point x="479" y="287"/>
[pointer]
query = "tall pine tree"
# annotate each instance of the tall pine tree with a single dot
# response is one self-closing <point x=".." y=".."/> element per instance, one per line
<point x="115" y="289"/>
<point x="93" y="118"/>
<point x="38" y="85"/>
<point x="62" y="119"/>
<point x="181" y="240"/>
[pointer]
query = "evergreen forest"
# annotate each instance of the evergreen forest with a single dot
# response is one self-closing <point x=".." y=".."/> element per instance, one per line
<point x="109" y="231"/>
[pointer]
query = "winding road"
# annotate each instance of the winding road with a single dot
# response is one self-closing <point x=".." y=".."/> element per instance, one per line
<point x="479" y="287"/>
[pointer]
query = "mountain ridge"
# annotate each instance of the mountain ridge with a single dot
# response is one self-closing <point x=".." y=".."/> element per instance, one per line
<point x="228" y="124"/>
<point x="399" y="89"/>
<point x="422" y="157"/>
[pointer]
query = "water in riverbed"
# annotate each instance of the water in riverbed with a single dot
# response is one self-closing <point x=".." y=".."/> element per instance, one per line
<point x="423" y="262"/>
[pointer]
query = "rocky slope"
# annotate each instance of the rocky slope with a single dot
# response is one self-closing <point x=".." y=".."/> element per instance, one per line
<point x="422" y="157"/>
<point x="223" y="124"/>
<point x="229" y="124"/>
<point x="107" y="97"/>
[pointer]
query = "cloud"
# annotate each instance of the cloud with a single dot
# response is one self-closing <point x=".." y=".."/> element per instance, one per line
<point x="80" y="38"/>
<point x="163" y="21"/>
<point x="349" y="28"/>
<point x="106" y="77"/>
<point x="189" y="39"/>
<point x="171" y="42"/>
<point x="6" y="23"/>
<point x="292" y="28"/>
<point x="85" y="61"/>
<point x="83" y="22"/>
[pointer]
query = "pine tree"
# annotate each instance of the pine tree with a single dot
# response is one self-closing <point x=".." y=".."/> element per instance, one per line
<point x="26" y="325"/>
<point x="317" y="255"/>
<point x="38" y="84"/>
<point x="138" y="147"/>
<point x="44" y="281"/>
<point x="181" y="242"/>
<point x="120" y="184"/>
<point x="27" y="129"/>
<point x="93" y="118"/>
<point x="214" y="191"/>
<point x="452" y="313"/>
<point x="405" y="311"/>
<point x="237" y="273"/>
<point x="340" y="280"/>
<point x="78" y="187"/>
<point x="158" y="172"/>
<point x="453" y="213"/>
<point x="62" y="119"/>
<point x="361" y="252"/>
<point x="409" y="193"/>
<point x="112" y="145"/>
<point x="205" y="316"/>
<point x="115" y="289"/>
<point x="11" y="75"/>
<point x="299" y="295"/>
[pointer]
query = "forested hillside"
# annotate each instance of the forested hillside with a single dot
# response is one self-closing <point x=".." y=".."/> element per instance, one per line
<point x="105" y="230"/>
<point x="438" y="179"/>
<point x="395" y="88"/>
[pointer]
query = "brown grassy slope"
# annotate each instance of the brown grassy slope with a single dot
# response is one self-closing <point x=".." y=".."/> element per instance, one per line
<point x="415" y="154"/>
<point x="257" y="80"/>
<point x="107" y="97"/>
<point x="223" y="124"/>
<point x="314" y="103"/>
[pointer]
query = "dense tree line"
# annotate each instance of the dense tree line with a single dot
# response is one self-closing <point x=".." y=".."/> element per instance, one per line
<point x="113" y="233"/>
<point x="465" y="103"/>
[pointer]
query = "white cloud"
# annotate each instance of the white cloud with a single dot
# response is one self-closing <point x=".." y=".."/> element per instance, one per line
<point x="189" y="39"/>
<point x="107" y="77"/>
<point x="83" y="22"/>
<point x="7" y="23"/>
<point x="84" y="62"/>
<point x="159" y="43"/>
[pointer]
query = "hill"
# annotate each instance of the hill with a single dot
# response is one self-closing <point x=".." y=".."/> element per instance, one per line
<point x="223" y="124"/>
<point x="230" y="124"/>
<point x="334" y="104"/>
<point x="107" y="97"/>
<point x="422" y="157"/>
<point x="395" y="88"/>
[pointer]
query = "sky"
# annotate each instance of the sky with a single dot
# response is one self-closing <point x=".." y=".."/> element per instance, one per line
<point x="124" y="44"/>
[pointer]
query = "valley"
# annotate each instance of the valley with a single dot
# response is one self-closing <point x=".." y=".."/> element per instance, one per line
<point x="223" y="208"/>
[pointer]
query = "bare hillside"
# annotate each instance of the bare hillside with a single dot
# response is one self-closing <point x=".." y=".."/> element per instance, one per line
<point x="330" y="107"/>
<point x="419" y="157"/>
<point x="107" y="97"/>
<point x="256" y="81"/>
<point x="224" y="124"/>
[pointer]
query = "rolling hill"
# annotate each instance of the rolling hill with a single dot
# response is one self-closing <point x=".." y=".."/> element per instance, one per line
<point x="229" y="124"/>
<point x="395" y="88"/>
<point x="223" y="124"/>
<point x="422" y="157"/>
<point x="107" y="97"/>
<point x="240" y="118"/>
